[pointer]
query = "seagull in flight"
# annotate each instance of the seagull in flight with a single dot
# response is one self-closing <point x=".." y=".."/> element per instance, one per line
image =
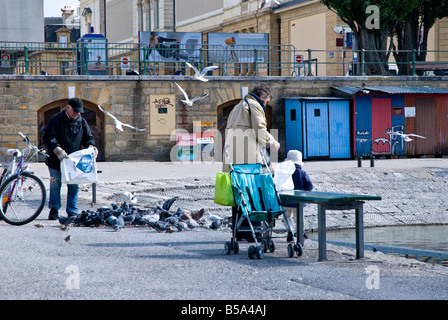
<point x="200" y="75"/>
<point x="189" y="102"/>
<point x="406" y="136"/>
<point x="267" y="2"/>
<point x="118" y="124"/>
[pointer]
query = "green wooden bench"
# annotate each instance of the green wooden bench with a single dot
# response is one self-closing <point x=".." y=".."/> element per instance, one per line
<point x="328" y="201"/>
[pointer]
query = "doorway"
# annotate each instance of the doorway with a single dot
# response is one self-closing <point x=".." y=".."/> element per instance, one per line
<point x="93" y="116"/>
<point x="223" y="112"/>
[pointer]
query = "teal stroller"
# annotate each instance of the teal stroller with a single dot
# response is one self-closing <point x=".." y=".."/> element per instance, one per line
<point x="257" y="200"/>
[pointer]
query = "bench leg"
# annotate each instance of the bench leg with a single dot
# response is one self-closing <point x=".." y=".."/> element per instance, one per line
<point x="299" y="223"/>
<point x="322" y="230"/>
<point x="359" y="221"/>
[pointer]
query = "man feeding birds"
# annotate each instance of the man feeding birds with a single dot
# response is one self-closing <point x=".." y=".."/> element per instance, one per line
<point x="66" y="132"/>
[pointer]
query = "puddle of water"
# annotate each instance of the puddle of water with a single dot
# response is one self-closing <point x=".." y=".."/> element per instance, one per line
<point x="428" y="237"/>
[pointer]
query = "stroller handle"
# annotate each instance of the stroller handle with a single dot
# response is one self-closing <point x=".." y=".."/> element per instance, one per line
<point x="263" y="152"/>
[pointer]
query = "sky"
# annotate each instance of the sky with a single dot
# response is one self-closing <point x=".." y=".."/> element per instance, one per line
<point x="52" y="8"/>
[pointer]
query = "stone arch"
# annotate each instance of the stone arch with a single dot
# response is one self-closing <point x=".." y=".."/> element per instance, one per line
<point x="223" y="111"/>
<point x="93" y="115"/>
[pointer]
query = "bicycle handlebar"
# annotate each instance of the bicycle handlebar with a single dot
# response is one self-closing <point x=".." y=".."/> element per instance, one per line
<point x="25" y="138"/>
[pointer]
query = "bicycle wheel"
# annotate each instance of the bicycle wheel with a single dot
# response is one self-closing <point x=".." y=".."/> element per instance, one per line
<point x="23" y="198"/>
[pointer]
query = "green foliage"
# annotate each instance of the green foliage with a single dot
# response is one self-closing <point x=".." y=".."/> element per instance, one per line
<point x="354" y="11"/>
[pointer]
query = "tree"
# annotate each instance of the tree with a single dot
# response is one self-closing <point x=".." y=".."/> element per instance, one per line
<point x="412" y="32"/>
<point x="371" y="22"/>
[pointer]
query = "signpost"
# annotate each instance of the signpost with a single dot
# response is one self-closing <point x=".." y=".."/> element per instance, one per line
<point x="5" y="61"/>
<point x="125" y="63"/>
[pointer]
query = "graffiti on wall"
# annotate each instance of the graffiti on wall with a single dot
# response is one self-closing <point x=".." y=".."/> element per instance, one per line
<point x="381" y="145"/>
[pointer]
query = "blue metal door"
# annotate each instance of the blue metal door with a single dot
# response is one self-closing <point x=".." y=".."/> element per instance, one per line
<point x="316" y="126"/>
<point x="293" y="124"/>
<point x="339" y="123"/>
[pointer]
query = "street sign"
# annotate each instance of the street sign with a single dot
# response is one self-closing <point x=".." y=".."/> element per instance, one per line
<point x="125" y="64"/>
<point x="5" y="63"/>
<point x="299" y="60"/>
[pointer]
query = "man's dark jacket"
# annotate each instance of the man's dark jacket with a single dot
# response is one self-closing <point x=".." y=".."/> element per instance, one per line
<point x="70" y="135"/>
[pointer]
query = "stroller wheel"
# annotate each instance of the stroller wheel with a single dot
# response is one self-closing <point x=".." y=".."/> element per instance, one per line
<point x="251" y="252"/>
<point x="299" y="250"/>
<point x="265" y="245"/>
<point x="227" y="247"/>
<point x="236" y="247"/>
<point x="290" y="250"/>
<point x="259" y="252"/>
<point x="271" y="246"/>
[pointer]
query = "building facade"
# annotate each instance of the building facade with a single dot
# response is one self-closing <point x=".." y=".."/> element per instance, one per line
<point x="303" y="24"/>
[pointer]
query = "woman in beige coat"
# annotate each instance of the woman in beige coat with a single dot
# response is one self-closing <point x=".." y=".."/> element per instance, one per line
<point x="247" y="129"/>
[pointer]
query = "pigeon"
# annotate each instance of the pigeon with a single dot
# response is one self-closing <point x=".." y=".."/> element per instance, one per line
<point x="67" y="238"/>
<point x="65" y="227"/>
<point x="172" y="220"/>
<point x="181" y="226"/>
<point x="406" y="136"/>
<point x="189" y="102"/>
<point x="39" y="225"/>
<point x="215" y="225"/>
<point x="200" y="75"/>
<point x="130" y="218"/>
<point x="267" y="2"/>
<point x="179" y="213"/>
<point x="191" y="223"/>
<point x="198" y="215"/>
<point x="132" y="197"/>
<point x="159" y="226"/>
<point x="213" y="217"/>
<point x="118" y="124"/>
<point x="167" y="204"/>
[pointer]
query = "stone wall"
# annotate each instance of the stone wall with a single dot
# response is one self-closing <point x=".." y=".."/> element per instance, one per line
<point x="128" y="98"/>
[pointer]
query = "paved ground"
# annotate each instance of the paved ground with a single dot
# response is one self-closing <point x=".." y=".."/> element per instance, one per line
<point x="139" y="263"/>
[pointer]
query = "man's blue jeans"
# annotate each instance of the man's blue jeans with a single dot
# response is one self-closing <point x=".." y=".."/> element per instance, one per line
<point x="55" y="193"/>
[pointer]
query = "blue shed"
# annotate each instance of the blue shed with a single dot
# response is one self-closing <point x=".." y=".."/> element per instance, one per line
<point x="319" y="127"/>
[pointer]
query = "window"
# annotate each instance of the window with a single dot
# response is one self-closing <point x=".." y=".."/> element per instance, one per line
<point x="63" y="41"/>
<point x="293" y="115"/>
<point x="155" y="15"/>
<point x="397" y="111"/>
<point x="317" y="112"/>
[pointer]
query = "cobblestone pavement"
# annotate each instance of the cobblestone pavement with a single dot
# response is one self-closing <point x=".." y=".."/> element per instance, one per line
<point x="139" y="263"/>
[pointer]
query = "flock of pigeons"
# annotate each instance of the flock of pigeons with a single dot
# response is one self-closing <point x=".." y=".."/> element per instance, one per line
<point x="160" y="218"/>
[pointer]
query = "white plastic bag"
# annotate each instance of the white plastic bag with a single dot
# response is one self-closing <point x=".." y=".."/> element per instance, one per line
<point x="79" y="167"/>
<point x="283" y="175"/>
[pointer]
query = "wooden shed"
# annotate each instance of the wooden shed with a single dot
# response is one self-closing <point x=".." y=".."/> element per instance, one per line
<point x="382" y="113"/>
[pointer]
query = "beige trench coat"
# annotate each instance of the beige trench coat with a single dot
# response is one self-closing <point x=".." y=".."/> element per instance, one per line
<point x="244" y="132"/>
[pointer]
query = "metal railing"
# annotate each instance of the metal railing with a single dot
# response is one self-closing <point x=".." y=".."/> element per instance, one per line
<point x="239" y="60"/>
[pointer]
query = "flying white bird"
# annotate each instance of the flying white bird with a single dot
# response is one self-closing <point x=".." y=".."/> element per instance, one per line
<point x="200" y="75"/>
<point x="406" y="136"/>
<point x="118" y="124"/>
<point x="132" y="197"/>
<point x="189" y="102"/>
<point x="267" y="2"/>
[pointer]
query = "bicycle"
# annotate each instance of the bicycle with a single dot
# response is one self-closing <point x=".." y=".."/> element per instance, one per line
<point x="23" y="195"/>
